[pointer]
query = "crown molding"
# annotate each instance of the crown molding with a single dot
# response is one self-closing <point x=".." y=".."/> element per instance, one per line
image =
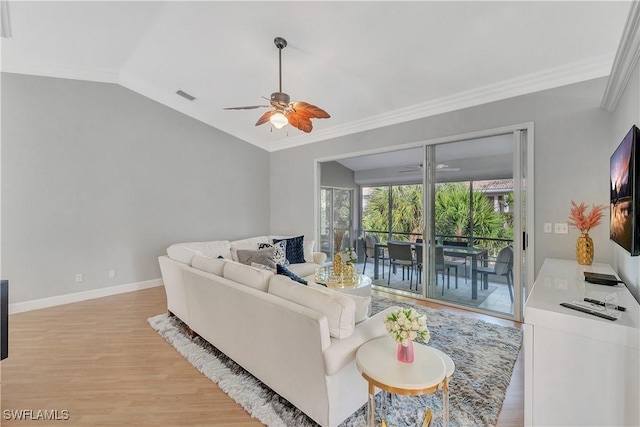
<point x="625" y="61"/>
<point x="529" y="83"/>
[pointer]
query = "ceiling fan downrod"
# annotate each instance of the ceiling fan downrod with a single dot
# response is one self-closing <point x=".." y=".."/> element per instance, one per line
<point x="280" y="43"/>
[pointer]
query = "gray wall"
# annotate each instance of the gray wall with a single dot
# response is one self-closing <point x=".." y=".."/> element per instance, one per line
<point x="626" y="115"/>
<point x="96" y="177"/>
<point x="333" y="174"/>
<point x="572" y="152"/>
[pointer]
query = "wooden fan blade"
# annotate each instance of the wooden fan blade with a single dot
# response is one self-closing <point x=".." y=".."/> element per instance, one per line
<point x="293" y="119"/>
<point x="300" y="121"/>
<point x="264" y="118"/>
<point x="249" y="107"/>
<point x="308" y="110"/>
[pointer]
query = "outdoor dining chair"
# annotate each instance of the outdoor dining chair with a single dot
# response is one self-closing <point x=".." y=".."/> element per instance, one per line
<point x="370" y="242"/>
<point x="442" y="265"/>
<point x="461" y="245"/>
<point x="503" y="267"/>
<point x="400" y="254"/>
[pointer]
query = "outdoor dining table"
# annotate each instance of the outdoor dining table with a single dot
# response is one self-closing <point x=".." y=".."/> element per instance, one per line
<point x="456" y="251"/>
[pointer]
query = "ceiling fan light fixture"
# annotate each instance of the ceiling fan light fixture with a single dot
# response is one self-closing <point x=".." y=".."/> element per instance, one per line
<point x="286" y="112"/>
<point x="278" y="120"/>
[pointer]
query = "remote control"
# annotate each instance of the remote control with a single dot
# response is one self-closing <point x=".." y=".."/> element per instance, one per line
<point x="602" y="304"/>
<point x="586" y="310"/>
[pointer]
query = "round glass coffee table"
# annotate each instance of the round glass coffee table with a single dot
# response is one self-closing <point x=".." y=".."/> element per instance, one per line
<point x="360" y="287"/>
<point x="429" y="372"/>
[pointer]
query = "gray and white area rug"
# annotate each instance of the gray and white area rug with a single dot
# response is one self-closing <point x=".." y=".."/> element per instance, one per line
<point x="484" y="355"/>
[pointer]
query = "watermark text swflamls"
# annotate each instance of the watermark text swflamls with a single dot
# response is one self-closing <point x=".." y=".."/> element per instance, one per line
<point x="36" y="414"/>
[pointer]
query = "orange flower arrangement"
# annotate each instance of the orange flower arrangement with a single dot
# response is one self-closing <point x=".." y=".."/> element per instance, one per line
<point x="583" y="221"/>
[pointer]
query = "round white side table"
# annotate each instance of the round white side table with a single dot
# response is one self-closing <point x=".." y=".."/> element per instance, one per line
<point x="429" y="372"/>
<point x="362" y="287"/>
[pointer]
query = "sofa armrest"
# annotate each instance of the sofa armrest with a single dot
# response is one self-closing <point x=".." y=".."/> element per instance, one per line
<point x="341" y="352"/>
<point x="174" y="287"/>
<point x="319" y="258"/>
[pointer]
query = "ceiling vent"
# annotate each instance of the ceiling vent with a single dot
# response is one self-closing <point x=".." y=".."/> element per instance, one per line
<point x="185" y="95"/>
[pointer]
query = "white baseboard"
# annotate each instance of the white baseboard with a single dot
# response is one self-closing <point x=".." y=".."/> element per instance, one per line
<point x="37" y="304"/>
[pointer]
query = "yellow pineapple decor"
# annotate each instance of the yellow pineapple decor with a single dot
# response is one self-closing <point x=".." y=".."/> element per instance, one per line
<point x="583" y="221"/>
<point x="338" y="237"/>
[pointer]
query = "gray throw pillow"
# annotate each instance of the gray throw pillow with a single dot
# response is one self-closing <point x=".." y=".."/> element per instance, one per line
<point x="261" y="256"/>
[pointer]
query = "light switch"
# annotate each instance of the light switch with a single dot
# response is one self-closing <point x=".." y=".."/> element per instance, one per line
<point x="561" y="228"/>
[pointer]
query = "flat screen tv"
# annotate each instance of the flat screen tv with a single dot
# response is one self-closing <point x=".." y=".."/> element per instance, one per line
<point x="624" y="227"/>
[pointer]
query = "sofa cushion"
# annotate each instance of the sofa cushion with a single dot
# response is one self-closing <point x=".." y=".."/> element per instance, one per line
<point x="259" y="256"/>
<point x="208" y="264"/>
<point x="263" y="267"/>
<point x="281" y="269"/>
<point x="251" y="243"/>
<point x="362" y="303"/>
<point x="184" y="252"/>
<point x="308" y="250"/>
<point x="295" y="249"/>
<point x="339" y="309"/>
<point x="279" y="251"/>
<point x="304" y="270"/>
<point x="244" y="274"/>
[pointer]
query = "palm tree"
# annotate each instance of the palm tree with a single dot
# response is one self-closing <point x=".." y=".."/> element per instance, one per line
<point x="406" y="211"/>
<point x="451" y="212"/>
<point x="452" y="215"/>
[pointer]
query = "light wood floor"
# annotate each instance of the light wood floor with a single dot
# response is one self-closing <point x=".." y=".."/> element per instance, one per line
<point x="101" y="361"/>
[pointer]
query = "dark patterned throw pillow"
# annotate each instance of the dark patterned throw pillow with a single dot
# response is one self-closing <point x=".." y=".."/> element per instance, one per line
<point x="281" y="269"/>
<point x="279" y="251"/>
<point x="295" y="249"/>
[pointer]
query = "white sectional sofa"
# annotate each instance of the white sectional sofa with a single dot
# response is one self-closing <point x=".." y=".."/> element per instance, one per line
<point x="299" y="340"/>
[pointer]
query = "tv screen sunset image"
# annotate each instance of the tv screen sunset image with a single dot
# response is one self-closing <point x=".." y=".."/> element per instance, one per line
<point x="622" y="194"/>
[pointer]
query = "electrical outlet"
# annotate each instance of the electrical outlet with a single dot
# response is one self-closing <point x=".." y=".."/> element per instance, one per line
<point x="561" y="228"/>
<point x="547" y="227"/>
<point x="112" y="274"/>
<point x="79" y="278"/>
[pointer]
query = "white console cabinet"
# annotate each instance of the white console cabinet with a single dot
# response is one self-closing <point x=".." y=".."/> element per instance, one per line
<point x="580" y="370"/>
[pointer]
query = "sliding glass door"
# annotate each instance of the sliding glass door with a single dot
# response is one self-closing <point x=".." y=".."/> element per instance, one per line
<point x="461" y="207"/>
<point x="392" y="213"/>
<point x="473" y="230"/>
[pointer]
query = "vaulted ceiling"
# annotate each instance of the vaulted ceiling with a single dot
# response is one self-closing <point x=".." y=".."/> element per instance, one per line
<point x="368" y="64"/>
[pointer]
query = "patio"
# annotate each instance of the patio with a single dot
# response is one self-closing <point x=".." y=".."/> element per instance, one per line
<point x="496" y="298"/>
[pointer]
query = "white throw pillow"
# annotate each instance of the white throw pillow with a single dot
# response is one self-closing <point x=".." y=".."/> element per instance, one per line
<point x="362" y="303"/>
<point x="339" y="309"/>
<point x="208" y="264"/>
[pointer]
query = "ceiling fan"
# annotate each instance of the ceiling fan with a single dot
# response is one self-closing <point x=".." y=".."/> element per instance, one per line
<point x="440" y="167"/>
<point x="285" y="111"/>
